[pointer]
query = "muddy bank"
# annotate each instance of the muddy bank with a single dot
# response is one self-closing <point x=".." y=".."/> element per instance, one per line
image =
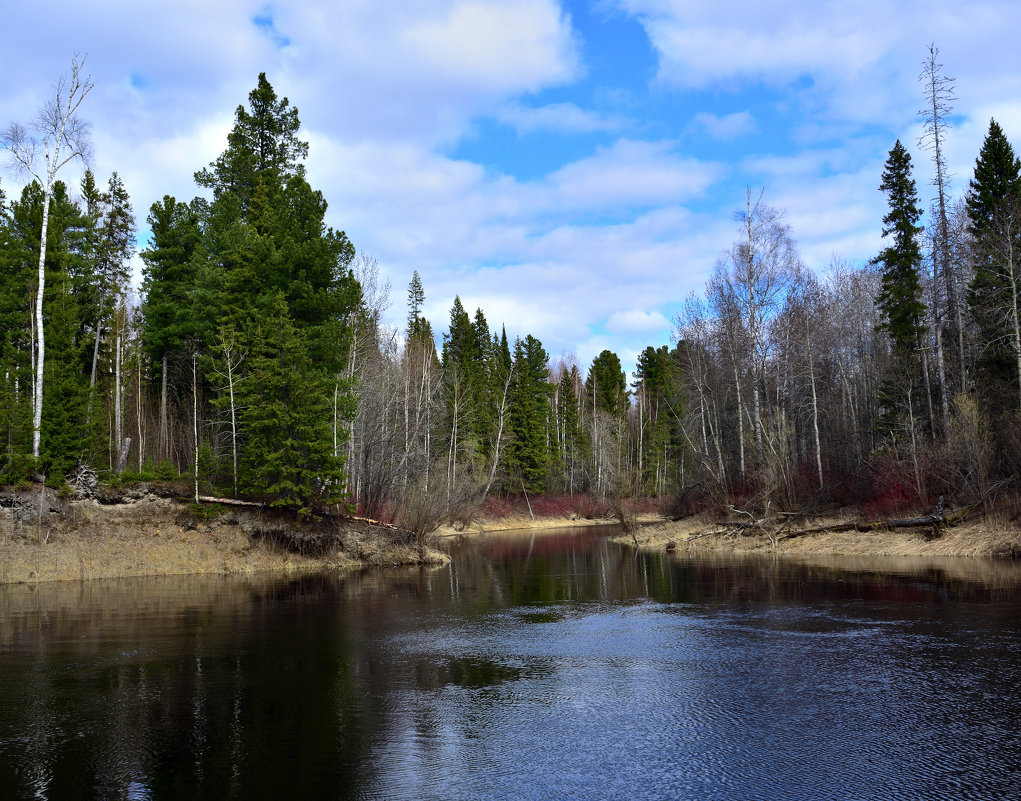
<point x="980" y="538"/>
<point x="145" y="534"/>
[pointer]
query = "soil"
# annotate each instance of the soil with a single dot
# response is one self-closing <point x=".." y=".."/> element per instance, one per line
<point x="979" y="538"/>
<point x="143" y="533"/>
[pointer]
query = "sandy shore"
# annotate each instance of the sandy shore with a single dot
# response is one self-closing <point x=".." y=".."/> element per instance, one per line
<point x="980" y="538"/>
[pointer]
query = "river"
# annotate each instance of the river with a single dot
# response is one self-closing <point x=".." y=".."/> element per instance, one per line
<point x="549" y="666"/>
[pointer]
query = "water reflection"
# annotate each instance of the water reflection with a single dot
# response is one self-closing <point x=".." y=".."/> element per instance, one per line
<point x="533" y="666"/>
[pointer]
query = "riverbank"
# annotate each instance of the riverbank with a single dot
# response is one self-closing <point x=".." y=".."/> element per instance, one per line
<point x="155" y="536"/>
<point x="979" y="538"/>
<point x="494" y="525"/>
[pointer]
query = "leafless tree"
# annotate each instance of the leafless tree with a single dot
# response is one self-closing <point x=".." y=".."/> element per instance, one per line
<point x="939" y="95"/>
<point x="57" y="137"/>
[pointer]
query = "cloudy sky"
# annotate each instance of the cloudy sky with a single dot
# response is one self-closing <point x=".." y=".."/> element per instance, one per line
<point x="571" y="167"/>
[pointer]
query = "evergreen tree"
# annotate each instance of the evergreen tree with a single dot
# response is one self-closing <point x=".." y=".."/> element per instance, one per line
<point x="993" y="197"/>
<point x="527" y="452"/>
<point x="265" y="254"/>
<point x="900" y="299"/>
<point x="67" y="316"/>
<point x="286" y="414"/>
<point x="571" y="441"/>
<point x="660" y="405"/>
<point x="606" y="382"/>
<point x="418" y="326"/>
<point x="263" y="142"/>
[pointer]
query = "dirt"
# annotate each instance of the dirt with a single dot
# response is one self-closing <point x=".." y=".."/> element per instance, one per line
<point x="149" y="535"/>
<point x="979" y="538"/>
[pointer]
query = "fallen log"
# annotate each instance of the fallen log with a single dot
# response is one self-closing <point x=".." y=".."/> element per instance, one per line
<point x="231" y="501"/>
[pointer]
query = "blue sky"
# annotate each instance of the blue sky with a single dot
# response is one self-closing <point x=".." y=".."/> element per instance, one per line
<point x="571" y="167"/>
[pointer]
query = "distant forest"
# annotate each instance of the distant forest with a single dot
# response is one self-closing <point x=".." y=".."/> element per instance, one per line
<point x="257" y="362"/>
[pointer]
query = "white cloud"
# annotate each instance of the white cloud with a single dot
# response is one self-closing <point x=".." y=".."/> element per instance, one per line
<point x="557" y="117"/>
<point x="729" y="126"/>
<point x="636" y="321"/>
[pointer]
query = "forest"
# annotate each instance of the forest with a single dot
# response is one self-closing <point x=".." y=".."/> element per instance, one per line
<point x="256" y="362"/>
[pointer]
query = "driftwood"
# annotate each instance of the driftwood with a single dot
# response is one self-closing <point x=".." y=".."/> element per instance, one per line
<point x="939" y="520"/>
<point x="366" y="523"/>
<point x="231" y="501"/>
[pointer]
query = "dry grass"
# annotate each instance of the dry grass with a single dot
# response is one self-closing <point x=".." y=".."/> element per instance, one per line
<point x="155" y="538"/>
<point x="488" y="525"/>
<point x="983" y="538"/>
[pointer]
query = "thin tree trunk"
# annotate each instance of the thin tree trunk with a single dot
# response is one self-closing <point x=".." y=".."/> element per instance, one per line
<point x="740" y="419"/>
<point x="37" y="415"/>
<point x="117" y="419"/>
<point x="164" y="433"/>
<point x="941" y="373"/>
<point x="815" y="413"/>
<point x="914" y="444"/>
<point x="195" y="417"/>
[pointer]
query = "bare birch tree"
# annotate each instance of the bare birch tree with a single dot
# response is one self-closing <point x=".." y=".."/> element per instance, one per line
<point x="56" y="138"/>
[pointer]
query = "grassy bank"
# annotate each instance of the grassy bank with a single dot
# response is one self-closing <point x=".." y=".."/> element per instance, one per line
<point x="980" y="538"/>
<point x="162" y="537"/>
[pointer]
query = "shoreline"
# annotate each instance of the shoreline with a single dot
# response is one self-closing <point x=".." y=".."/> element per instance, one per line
<point x="989" y="538"/>
<point x="154" y="536"/>
<point x="494" y="525"/>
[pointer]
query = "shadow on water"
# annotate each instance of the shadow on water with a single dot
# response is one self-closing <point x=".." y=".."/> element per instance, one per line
<point x="557" y="664"/>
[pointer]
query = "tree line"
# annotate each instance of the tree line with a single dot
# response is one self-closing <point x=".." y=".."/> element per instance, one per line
<point x="257" y="361"/>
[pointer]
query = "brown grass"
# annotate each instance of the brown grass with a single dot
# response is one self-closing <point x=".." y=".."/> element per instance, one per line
<point x="157" y="538"/>
<point x="488" y="525"/>
<point x="981" y="538"/>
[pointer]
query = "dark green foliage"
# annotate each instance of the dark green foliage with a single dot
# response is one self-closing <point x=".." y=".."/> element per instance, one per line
<point x="469" y="380"/>
<point x="68" y="314"/>
<point x="993" y="195"/>
<point x="997" y="177"/>
<point x="169" y="280"/>
<point x="900" y="299"/>
<point x="572" y="444"/>
<point x="262" y="144"/>
<point x="607" y="384"/>
<point x="286" y="399"/>
<point x="661" y="406"/>
<point x="527" y="452"/>
<point x="418" y="326"/>
<point x="266" y="267"/>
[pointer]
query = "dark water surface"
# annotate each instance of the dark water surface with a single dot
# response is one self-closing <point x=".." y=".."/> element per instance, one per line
<point x="558" y="666"/>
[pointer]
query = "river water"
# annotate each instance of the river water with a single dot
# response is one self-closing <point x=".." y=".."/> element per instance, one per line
<point x="554" y="666"/>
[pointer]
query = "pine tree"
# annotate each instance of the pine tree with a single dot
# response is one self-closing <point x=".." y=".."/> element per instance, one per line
<point x="417" y="324"/>
<point x="67" y="318"/>
<point x="286" y="415"/>
<point x="900" y="300"/>
<point x="263" y="142"/>
<point x="606" y="382"/>
<point x="527" y="452"/>
<point x="993" y="198"/>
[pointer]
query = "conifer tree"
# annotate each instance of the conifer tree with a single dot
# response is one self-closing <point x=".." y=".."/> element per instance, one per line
<point x="900" y="300"/>
<point x="993" y="198"/>
<point x="286" y="414"/>
<point x="900" y="305"/>
<point x="527" y="452"/>
<point x="607" y="384"/>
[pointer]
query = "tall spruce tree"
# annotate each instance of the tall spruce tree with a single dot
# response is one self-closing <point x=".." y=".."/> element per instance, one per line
<point x="527" y="451"/>
<point x="993" y="199"/>
<point x="899" y="303"/>
<point x="900" y="299"/>
<point x="607" y="384"/>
